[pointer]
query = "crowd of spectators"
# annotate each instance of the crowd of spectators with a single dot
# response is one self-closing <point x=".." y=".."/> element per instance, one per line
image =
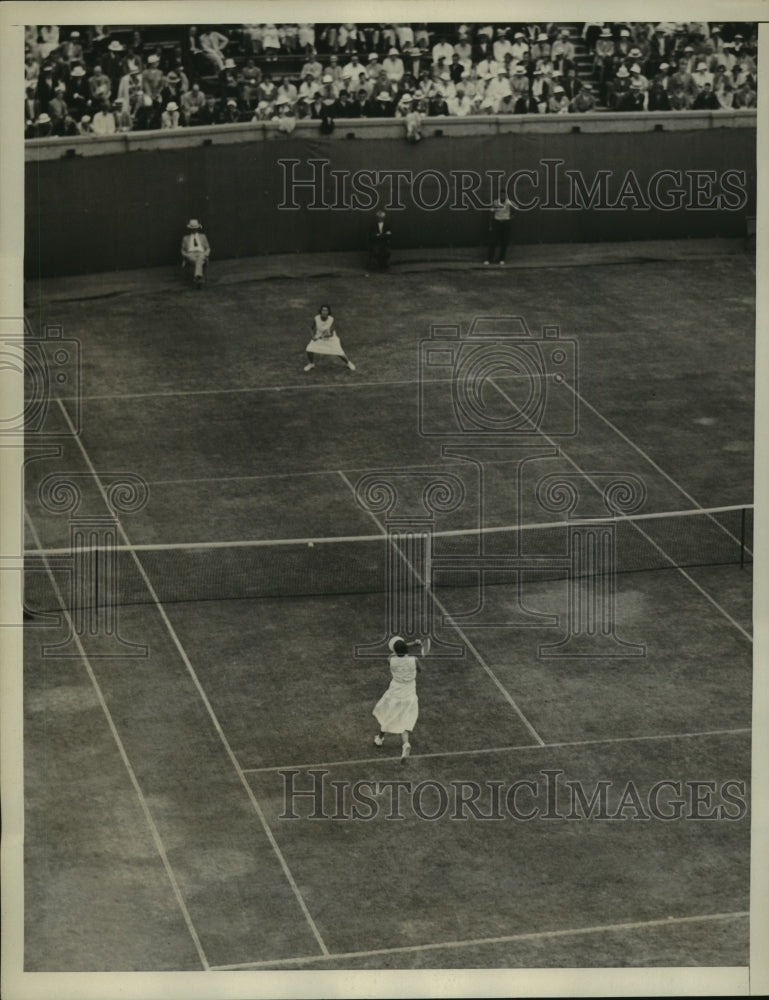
<point x="101" y="80"/>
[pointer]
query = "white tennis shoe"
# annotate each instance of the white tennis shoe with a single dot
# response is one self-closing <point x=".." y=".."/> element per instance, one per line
<point x="309" y="367"/>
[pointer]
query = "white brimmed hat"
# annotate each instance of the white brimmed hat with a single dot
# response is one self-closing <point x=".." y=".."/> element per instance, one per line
<point x="194" y="224"/>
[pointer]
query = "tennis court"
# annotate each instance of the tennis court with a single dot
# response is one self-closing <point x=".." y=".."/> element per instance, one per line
<point x="159" y="831"/>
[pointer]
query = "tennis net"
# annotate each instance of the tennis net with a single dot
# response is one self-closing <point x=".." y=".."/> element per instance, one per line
<point x="208" y="571"/>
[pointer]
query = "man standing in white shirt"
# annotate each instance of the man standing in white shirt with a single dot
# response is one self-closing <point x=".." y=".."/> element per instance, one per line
<point x="499" y="228"/>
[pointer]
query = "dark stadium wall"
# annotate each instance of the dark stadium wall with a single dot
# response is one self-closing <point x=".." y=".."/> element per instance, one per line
<point x="97" y="213"/>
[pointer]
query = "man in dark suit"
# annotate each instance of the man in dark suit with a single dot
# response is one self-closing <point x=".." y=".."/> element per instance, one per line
<point x="379" y="239"/>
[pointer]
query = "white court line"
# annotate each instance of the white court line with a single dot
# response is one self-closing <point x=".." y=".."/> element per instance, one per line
<point x="502" y="939"/>
<point x="506" y="694"/>
<point x="291" y="475"/>
<point x="127" y="763"/>
<point x="311" y="383"/>
<point x="251" y="543"/>
<point x="506" y="749"/>
<point x="204" y="698"/>
<point x="632" y="521"/>
<point x="647" y="457"/>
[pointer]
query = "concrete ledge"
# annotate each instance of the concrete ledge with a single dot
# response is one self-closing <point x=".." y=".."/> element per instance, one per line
<point x="388" y="128"/>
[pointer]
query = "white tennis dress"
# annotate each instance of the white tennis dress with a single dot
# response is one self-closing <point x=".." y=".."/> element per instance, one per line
<point x="328" y="342"/>
<point x="398" y="708"/>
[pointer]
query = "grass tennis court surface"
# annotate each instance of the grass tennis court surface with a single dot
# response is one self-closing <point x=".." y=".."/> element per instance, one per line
<point x="156" y="828"/>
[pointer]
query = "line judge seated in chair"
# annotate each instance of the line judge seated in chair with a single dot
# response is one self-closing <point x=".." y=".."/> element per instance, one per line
<point x="196" y="250"/>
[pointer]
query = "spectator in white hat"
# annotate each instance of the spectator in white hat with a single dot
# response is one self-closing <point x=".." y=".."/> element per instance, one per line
<point x="263" y="112"/>
<point x="502" y="45"/>
<point x="539" y="94"/>
<point x="499" y="87"/>
<point x="383" y="107"/>
<point x="520" y="48"/>
<point x="171" y="117"/>
<point x="637" y="78"/>
<point x="72" y="49"/>
<point x="328" y="89"/>
<point x="562" y="50"/>
<point x="153" y="80"/>
<point x="584" y="101"/>
<point x="112" y="62"/>
<point x="196" y="250"/>
<point x="84" y="125"/>
<point x="57" y="106"/>
<point x="519" y="83"/>
<point x="373" y="66"/>
<point x="540" y="49"/>
<point x="334" y="69"/>
<point x="558" y="104"/>
<point x="42" y="126"/>
<point x="130" y="88"/>
<point x="283" y="116"/>
<point x="393" y="66"/>
<point x="701" y="76"/>
<point x="231" y="113"/>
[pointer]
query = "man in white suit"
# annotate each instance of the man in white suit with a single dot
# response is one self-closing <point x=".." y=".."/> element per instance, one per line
<point x="196" y="249"/>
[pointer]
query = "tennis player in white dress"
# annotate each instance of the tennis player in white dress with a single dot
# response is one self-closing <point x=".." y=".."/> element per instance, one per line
<point x="325" y="340"/>
<point x="398" y="708"/>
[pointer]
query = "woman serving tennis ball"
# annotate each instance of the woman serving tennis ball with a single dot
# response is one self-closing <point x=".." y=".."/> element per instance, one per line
<point x="325" y="340"/>
<point x="398" y="708"/>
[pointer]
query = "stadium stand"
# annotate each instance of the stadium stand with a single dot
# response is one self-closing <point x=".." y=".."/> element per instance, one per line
<point x="101" y="80"/>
